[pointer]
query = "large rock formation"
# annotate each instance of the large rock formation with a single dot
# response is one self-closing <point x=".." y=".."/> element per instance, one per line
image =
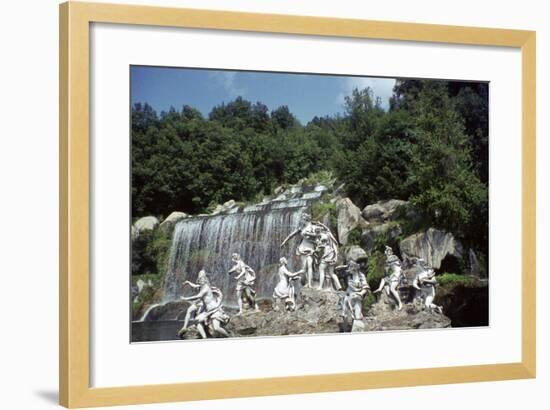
<point x="167" y="226"/>
<point x="349" y="217"/>
<point x="355" y="253"/>
<point x="383" y="210"/>
<point x="145" y="224"/>
<point x="434" y="246"/>
<point x="317" y="312"/>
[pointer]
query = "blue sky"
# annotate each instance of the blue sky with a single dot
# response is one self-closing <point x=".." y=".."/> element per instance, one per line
<point x="306" y="95"/>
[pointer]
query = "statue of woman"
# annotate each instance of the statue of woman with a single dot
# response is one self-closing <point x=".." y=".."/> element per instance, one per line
<point x="285" y="291"/>
<point x="393" y="277"/>
<point x="306" y="249"/>
<point x="425" y="282"/>
<point x="210" y="315"/>
<point x="246" y="277"/>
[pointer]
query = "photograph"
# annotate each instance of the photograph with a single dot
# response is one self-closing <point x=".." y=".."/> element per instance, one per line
<point x="278" y="204"/>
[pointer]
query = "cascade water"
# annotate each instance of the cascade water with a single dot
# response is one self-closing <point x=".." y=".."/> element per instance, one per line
<point x="255" y="233"/>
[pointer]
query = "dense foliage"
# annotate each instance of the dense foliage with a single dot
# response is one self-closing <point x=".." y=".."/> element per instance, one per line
<point x="429" y="147"/>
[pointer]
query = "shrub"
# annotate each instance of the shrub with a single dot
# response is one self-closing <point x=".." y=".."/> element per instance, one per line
<point x="375" y="269"/>
<point x="452" y="279"/>
<point x="320" y="210"/>
<point x="354" y="237"/>
<point x="322" y="177"/>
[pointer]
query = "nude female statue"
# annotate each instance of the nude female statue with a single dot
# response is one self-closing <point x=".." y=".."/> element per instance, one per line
<point x="246" y="277"/>
<point x="210" y="316"/>
<point x="425" y="282"/>
<point x="306" y="249"/>
<point x="285" y="291"/>
<point x="393" y="277"/>
<point x="196" y="307"/>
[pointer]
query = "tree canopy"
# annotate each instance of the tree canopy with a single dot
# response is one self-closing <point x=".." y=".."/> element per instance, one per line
<point x="429" y="147"/>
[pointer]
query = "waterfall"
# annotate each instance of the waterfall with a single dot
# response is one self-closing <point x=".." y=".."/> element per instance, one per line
<point x="255" y="232"/>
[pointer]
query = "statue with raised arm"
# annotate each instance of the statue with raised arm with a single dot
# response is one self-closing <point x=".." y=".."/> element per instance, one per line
<point x="194" y="308"/>
<point x="392" y="278"/>
<point x="208" y="313"/>
<point x="356" y="291"/>
<point x="425" y="282"/>
<point x="317" y="247"/>
<point x="285" y="291"/>
<point x="246" y="278"/>
<point x="308" y="234"/>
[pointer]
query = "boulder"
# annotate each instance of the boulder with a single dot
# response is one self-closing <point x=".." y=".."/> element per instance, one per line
<point x="226" y="206"/>
<point x="167" y="226"/>
<point x="355" y="253"/>
<point x="349" y="217"/>
<point x="433" y="246"/>
<point x="145" y="224"/>
<point x="386" y="232"/>
<point x="279" y="189"/>
<point x="383" y="210"/>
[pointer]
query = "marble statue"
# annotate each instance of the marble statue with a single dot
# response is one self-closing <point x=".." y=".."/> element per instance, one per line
<point x="317" y="247"/>
<point x="206" y="309"/>
<point x="392" y="278"/>
<point x="326" y="252"/>
<point x="356" y="291"/>
<point x="195" y="307"/>
<point x="425" y="282"/>
<point x="285" y="291"/>
<point x="306" y="249"/>
<point x="246" y="278"/>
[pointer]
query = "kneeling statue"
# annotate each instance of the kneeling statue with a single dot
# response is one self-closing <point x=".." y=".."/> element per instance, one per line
<point x="425" y="282"/>
<point x="285" y="291"/>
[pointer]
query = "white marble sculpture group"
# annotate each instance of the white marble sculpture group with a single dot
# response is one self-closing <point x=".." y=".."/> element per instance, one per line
<point x="318" y="253"/>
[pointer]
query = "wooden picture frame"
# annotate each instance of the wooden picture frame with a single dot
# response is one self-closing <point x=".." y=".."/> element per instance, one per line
<point x="75" y="19"/>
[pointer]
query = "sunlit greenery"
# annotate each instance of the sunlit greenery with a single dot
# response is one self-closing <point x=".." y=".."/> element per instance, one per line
<point x="430" y="147"/>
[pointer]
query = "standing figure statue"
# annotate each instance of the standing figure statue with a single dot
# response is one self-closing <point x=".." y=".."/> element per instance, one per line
<point x="356" y="291"/>
<point x="318" y="247"/>
<point x="327" y="255"/>
<point x="246" y="277"/>
<point x="425" y="282"/>
<point x="285" y="291"/>
<point x="394" y="275"/>
<point x="306" y="249"/>
<point x="207" y="309"/>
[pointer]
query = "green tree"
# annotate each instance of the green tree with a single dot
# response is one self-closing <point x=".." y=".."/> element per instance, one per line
<point x="446" y="184"/>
